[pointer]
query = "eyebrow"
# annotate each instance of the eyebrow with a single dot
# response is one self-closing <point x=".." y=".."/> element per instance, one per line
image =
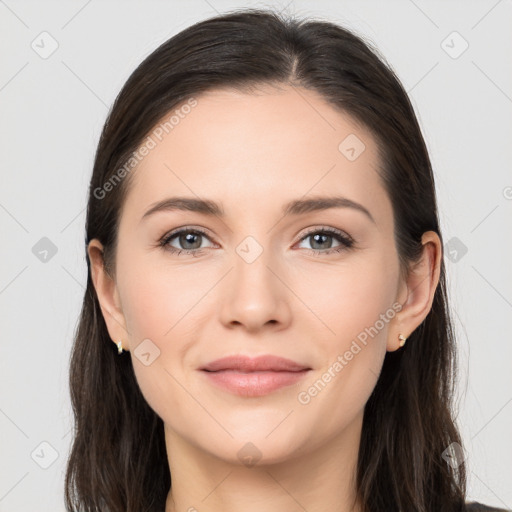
<point x="296" y="207"/>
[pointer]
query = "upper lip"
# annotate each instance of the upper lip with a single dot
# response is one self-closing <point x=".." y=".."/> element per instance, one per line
<point x="249" y="364"/>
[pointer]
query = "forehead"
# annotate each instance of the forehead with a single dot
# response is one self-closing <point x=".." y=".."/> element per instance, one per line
<point x="258" y="149"/>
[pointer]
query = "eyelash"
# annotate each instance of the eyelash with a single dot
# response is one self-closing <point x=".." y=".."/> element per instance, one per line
<point x="346" y="241"/>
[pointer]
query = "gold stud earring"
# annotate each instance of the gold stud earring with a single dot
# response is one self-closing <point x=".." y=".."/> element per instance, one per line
<point x="402" y="339"/>
<point x="119" y="347"/>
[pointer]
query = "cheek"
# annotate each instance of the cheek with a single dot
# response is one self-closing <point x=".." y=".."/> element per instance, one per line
<point x="164" y="305"/>
<point x="354" y="303"/>
<point x="159" y="308"/>
<point x="158" y="300"/>
<point x="349" y="297"/>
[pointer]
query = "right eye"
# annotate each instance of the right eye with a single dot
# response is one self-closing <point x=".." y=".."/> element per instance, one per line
<point x="189" y="239"/>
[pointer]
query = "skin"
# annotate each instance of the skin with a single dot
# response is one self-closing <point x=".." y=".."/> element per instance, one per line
<point x="253" y="153"/>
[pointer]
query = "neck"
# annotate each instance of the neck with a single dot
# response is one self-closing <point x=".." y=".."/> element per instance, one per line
<point x="317" y="479"/>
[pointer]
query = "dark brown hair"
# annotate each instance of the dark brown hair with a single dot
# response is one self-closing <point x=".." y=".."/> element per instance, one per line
<point x="118" y="459"/>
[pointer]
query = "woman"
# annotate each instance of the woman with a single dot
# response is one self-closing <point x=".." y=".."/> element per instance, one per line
<point x="265" y="371"/>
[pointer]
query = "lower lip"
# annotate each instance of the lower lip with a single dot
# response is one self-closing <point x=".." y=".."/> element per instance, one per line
<point x="254" y="383"/>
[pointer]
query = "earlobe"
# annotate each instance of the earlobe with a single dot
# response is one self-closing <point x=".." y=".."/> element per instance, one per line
<point x="421" y="285"/>
<point x="107" y="292"/>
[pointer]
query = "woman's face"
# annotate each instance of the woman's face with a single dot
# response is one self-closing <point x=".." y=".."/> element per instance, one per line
<point x="258" y="279"/>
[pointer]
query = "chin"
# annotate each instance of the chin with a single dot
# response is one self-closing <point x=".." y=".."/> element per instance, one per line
<point x="260" y="445"/>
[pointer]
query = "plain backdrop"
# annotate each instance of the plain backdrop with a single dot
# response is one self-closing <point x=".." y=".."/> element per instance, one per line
<point x="63" y="63"/>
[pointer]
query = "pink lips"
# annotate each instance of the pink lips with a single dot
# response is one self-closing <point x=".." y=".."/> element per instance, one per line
<point x="258" y="376"/>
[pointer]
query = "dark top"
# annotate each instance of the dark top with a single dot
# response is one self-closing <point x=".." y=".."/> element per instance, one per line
<point x="474" y="506"/>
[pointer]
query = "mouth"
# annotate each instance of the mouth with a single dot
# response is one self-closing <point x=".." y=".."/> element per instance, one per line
<point x="252" y="377"/>
<point x="245" y="364"/>
<point x="255" y="383"/>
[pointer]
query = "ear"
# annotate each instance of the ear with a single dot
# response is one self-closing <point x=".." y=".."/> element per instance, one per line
<point x="108" y="295"/>
<point x="417" y="293"/>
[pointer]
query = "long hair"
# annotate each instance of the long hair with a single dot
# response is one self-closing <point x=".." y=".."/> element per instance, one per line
<point x="118" y="460"/>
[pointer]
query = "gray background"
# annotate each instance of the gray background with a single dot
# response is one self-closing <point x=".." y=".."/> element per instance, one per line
<point x="51" y="113"/>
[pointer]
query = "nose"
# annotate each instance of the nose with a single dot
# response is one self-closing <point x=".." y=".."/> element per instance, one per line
<point x="254" y="295"/>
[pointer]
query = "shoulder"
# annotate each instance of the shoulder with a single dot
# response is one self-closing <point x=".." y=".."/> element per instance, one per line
<point x="474" y="506"/>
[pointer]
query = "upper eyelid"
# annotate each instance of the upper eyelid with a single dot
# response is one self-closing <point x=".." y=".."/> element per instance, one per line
<point x="167" y="237"/>
<point x="184" y="229"/>
<point x="328" y="230"/>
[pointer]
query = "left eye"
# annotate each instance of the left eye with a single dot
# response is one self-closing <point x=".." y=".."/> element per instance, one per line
<point x="321" y="238"/>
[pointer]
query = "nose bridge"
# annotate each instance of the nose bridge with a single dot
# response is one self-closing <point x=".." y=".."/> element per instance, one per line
<point x="252" y="264"/>
<point x="253" y="294"/>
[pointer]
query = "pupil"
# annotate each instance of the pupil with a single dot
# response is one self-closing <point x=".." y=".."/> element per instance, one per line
<point x="315" y="237"/>
<point x="188" y="238"/>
